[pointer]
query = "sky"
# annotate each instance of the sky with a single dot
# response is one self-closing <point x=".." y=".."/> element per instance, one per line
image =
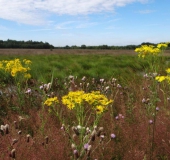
<point x="86" y="22"/>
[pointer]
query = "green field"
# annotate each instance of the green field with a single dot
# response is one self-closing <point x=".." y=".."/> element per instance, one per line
<point x="96" y="66"/>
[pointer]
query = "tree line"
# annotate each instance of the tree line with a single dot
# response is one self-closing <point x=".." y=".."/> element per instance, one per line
<point x="98" y="47"/>
<point x="41" y="45"/>
<point x="108" y="47"/>
<point x="25" y="44"/>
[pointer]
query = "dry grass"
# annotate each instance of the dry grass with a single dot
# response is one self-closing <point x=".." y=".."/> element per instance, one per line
<point x="64" y="51"/>
<point x="69" y="51"/>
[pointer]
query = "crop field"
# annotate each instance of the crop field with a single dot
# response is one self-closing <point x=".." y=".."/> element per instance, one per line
<point x="67" y="104"/>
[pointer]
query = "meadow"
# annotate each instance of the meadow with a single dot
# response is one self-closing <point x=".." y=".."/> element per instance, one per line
<point x="85" y="104"/>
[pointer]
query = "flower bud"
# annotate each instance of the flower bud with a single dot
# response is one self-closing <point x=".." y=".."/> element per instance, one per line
<point x="73" y="146"/>
<point x="84" y="78"/>
<point x="112" y="136"/>
<point x="19" y="132"/>
<point x="150" y="121"/>
<point x="101" y="137"/>
<point x="16" y="125"/>
<point x="75" y="130"/>
<point x="74" y="136"/>
<point x="63" y="127"/>
<point x="89" y="150"/>
<point x="157" y="108"/>
<point x="46" y="139"/>
<point x="76" y="154"/>
<point x="12" y="154"/>
<point x="14" y="141"/>
<point x="93" y="134"/>
<point x="28" y="138"/>
<point x="86" y="146"/>
<point x="5" y="129"/>
<point x="88" y="130"/>
<point x="99" y="131"/>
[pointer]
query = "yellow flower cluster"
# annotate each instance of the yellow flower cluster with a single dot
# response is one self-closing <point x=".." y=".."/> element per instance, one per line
<point x="97" y="100"/>
<point x="51" y="101"/>
<point x="160" y="78"/>
<point x="146" y="50"/>
<point x="162" y="46"/>
<point x="14" y="67"/>
<point x="73" y="98"/>
<point x="163" y="78"/>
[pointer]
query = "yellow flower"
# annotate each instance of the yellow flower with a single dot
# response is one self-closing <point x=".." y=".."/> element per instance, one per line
<point x="99" y="109"/>
<point x="27" y="76"/>
<point x="26" y="61"/>
<point x="160" y="78"/>
<point x="168" y="79"/>
<point x="1" y="65"/>
<point x="95" y="98"/>
<point x="51" y="101"/>
<point x="145" y="50"/>
<point x="168" y="70"/>
<point x="15" y="67"/>
<point x="162" y="46"/>
<point x="75" y="99"/>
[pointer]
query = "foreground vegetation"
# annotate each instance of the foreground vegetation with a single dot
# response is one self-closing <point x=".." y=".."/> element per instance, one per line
<point x="85" y="106"/>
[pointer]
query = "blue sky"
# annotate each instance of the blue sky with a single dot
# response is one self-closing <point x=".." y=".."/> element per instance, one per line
<point x="89" y="22"/>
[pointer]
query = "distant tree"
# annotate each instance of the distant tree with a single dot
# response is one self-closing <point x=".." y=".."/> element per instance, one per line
<point x="25" y="44"/>
<point x="83" y="46"/>
<point x="67" y="47"/>
<point x="74" y="47"/>
<point x="147" y="43"/>
<point x="104" y="47"/>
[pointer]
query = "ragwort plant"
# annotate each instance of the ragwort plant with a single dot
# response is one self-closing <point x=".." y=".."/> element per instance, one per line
<point x="87" y="109"/>
<point x="19" y="72"/>
<point x="153" y="56"/>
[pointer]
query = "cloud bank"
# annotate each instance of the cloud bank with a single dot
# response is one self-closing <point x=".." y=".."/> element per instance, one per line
<point x="36" y="12"/>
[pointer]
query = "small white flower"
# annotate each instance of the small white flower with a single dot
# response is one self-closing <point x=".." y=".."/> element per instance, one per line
<point x="119" y="86"/>
<point x="84" y="78"/>
<point x="107" y="88"/>
<point x="101" y="80"/>
<point x="28" y="91"/>
<point x="41" y="87"/>
<point x="79" y="127"/>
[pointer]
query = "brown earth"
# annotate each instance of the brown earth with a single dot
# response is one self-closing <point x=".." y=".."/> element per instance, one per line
<point x="69" y="51"/>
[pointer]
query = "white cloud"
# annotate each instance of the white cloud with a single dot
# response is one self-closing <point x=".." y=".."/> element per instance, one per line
<point x="36" y="11"/>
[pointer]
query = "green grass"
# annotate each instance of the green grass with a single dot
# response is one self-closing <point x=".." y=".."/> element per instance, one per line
<point x="97" y="66"/>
